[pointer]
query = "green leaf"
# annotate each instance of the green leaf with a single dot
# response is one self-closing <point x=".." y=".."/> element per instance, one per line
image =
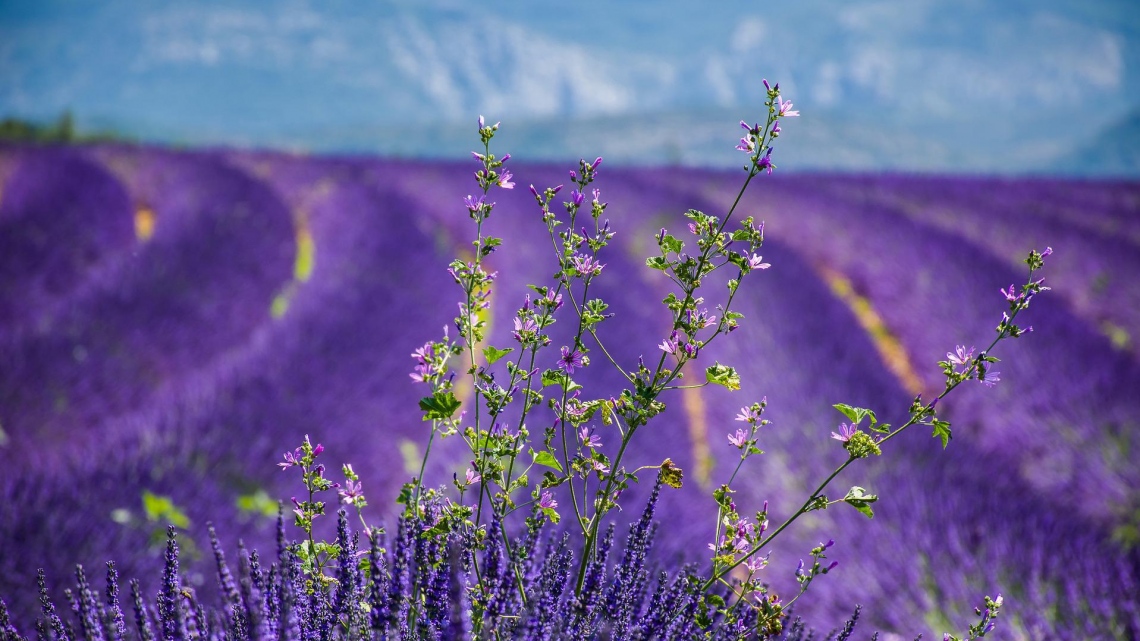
<point x="856" y="414"/>
<point x="942" y="431"/>
<point x="724" y="376"/>
<point x="493" y="354"/>
<point x="657" y="262"/>
<point x="558" y="377"/>
<point x="545" y="458"/>
<point x="858" y="498"/>
<point x="439" y="406"/>
<point x="671" y="244"/>
<point x="848" y="411"/>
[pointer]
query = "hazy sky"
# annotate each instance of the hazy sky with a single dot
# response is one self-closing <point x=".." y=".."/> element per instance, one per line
<point x="897" y="83"/>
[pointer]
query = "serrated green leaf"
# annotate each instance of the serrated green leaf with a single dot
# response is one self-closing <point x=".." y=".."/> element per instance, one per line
<point x="847" y="411"/>
<point x="546" y="459"/>
<point x="439" y="406"/>
<point x="724" y="376"/>
<point x="657" y="262"/>
<point x="942" y="431"/>
<point x="858" y="498"/>
<point x="671" y="244"/>
<point x="493" y="354"/>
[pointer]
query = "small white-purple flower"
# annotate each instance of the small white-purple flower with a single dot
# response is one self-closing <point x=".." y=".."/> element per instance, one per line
<point x="757" y="262"/>
<point x="738" y="440"/>
<point x="589" y="439"/>
<point x="547" y="502"/>
<point x="845" y="432"/>
<point x="748" y="414"/>
<point x="961" y="355"/>
<point x="784" y="108"/>
<point x="351" y="492"/>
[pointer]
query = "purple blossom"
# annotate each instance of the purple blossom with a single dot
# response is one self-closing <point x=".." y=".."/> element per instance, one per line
<point x="505" y="180"/>
<point x="749" y="414"/>
<point x="352" y="491"/>
<point x="291" y="459"/>
<point x="784" y="108"/>
<point x="845" y="432"/>
<point x="765" y="161"/>
<point x="1011" y="295"/>
<point x="739" y="440"/>
<point x="524" y="327"/>
<point x="586" y="265"/>
<point x="669" y="345"/>
<point x="961" y="356"/>
<point x="757" y="262"/>
<point x="577" y="197"/>
<point x="989" y="378"/>
<point x="570" y="360"/>
<point x="746" y="145"/>
<point x="473" y="203"/>
<point x="547" y="501"/>
<point x="471" y="476"/>
<point x="588" y="439"/>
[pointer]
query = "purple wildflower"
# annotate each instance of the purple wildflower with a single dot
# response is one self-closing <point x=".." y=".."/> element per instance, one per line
<point x="749" y="414"/>
<point x="473" y="203"/>
<point x="505" y="180"/>
<point x="472" y="476"/>
<point x="1011" y="295"/>
<point x="524" y="327"/>
<point x="746" y="145"/>
<point x="570" y="360"/>
<point x="961" y="355"/>
<point x="586" y="265"/>
<point x="845" y="432"/>
<point x="352" y="491"/>
<point x="990" y="378"/>
<point x="669" y="345"/>
<point x="765" y="161"/>
<point x="291" y="459"/>
<point x="756" y="262"/>
<point x="784" y="108"/>
<point x="547" y="501"/>
<point x="588" y="439"/>
<point x="739" y="440"/>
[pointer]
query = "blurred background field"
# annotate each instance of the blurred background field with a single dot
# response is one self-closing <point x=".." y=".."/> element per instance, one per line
<point x="223" y="227"/>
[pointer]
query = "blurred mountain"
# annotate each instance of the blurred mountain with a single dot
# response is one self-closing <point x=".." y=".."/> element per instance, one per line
<point x="929" y="85"/>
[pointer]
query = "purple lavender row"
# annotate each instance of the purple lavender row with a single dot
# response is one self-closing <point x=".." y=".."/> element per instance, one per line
<point x="1045" y="412"/>
<point x="188" y="301"/>
<point x="1100" y="249"/>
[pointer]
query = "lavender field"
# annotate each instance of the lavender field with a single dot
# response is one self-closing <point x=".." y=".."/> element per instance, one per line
<point x="172" y="321"/>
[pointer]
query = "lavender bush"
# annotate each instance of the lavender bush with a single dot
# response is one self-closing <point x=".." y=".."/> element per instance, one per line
<point x="459" y="564"/>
